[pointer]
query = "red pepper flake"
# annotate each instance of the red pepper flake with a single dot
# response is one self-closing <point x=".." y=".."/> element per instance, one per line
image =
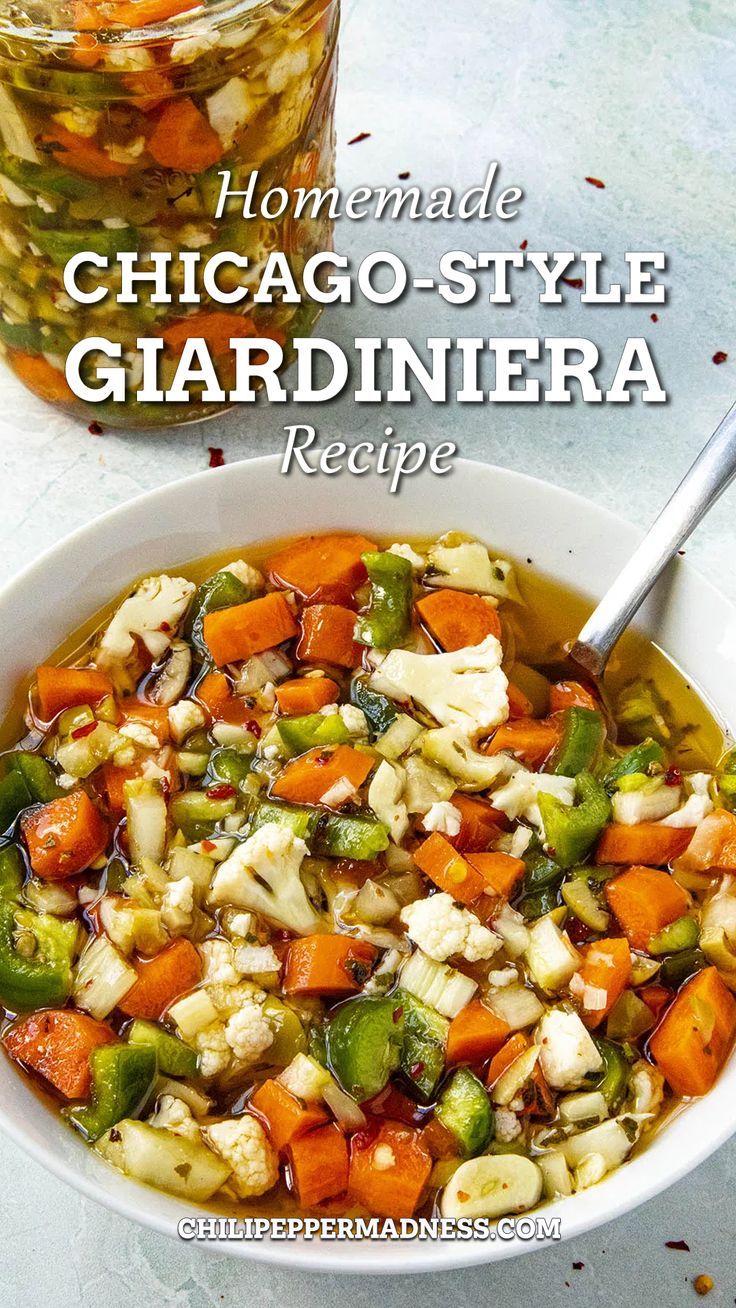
<point x="223" y="791"/>
<point x="165" y="626"/>
<point x="673" y="777"/>
<point x="362" y="136"/>
<point x="523" y="245"/>
<point x="720" y="356"/>
<point x="86" y="729"/>
<point x="217" y="458"/>
<point x="95" y="429"/>
<point x="596" y="181"/>
<point x="578" y="932"/>
<point x="208" y="846"/>
<point x="681" y="1245"/>
<point x="575" y="282"/>
<point x="416" y="1069"/>
<point x="654" y="317"/>
<point x="578" y="1267"/>
<point x="403" y="177"/>
<point x="398" y="1013"/>
<point x="253" y="727"/>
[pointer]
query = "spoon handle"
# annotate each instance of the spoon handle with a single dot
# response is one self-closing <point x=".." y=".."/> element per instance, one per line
<point x="707" y="479"/>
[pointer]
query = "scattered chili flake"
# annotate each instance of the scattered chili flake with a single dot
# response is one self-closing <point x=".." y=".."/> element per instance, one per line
<point x="703" y="1284"/>
<point x="403" y="176"/>
<point x="86" y="729"/>
<point x="673" y="777"/>
<point x="596" y="181"/>
<point x="681" y="1245"/>
<point x="654" y="317"/>
<point x="578" y="1267"/>
<point x="165" y="626"/>
<point x="398" y="1013"/>
<point x="114" y="1135"/>
<point x="575" y="282"/>
<point x="362" y="136"/>
<point x="357" y="970"/>
<point x="253" y="727"/>
<point x="223" y="791"/>
<point x="208" y="846"/>
<point x="416" y="1069"/>
<point x="217" y="458"/>
<point x="523" y="245"/>
<point x="720" y="356"/>
<point x="95" y="429"/>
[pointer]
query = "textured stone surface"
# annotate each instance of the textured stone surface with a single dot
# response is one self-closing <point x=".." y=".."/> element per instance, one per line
<point x="644" y="97"/>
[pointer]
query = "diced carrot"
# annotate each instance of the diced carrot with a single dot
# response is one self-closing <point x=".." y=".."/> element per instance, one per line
<point x="311" y="776"/>
<point x="285" y="1116"/>
<point x="148" y="88"/>
<point x="437" y="859"/>
<point x="515" y="1046"/>
<point x="712" y="846"/>
<point x="645" y="842"/>
<point x="606" y="966"/>
<point x="693" y="1040"/>
<point x="176" y="969"/>
<point x="319" y="1165"/>
<point x="327" y="965"/>
<point x="519" y="705"/>
<point x="656" y="998"/>
<point x="184" y="139"/>
<point x="141" y="13"/>
<point x="41" y="377"/>
<point x="215" y="694"/>
<point x="440" y="1142"/>
<point x="64" y="836"/>
<point x="306" y="694"/>
<point x="500" y="871"/>
<point x="215" y="326"/>
<point x="389" y="1169"/>
<point x="571" y="694"/>
<point x="81" y="155"/>
<point x="63" y="688"/>
<point x="644" y="900"/>
<point x="480" y="824"/>
<point x="56" y="1043"/>
<point x="152" y="716"/>
<point x="321" y="561"/>
<point x="327" y="636"/>
<point x="245" y="629"/>
<point x="531" y="740"/>
<point x="457" y="620"/>
<point x="475" y="1034"/>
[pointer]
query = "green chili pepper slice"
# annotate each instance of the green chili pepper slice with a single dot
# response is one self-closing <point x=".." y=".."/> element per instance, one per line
<point x="41" y="978"/>
<point x="425" y="1040"/>
<point x="583" y="733"/>
<point x="614" y="1078"/>
<point x="174" y="1057"/>
<point x="37" y="774"/>
<point x="311" y="730"/>
<point x="570" y="831"/>
<point x="676" y="969"/>
<point x="678" y="935"/>
<point x="378" y="709"/>
<point x="641" y="758"/>
<point x="387" y="621"/>
<point x="122" y="1078"/>
<point x="465" y="1110"/>
<point x="363" y="1042"/>
<point x="197" y="814"/>
<point x="351" y="836"/>
<point x="230" y="766"/>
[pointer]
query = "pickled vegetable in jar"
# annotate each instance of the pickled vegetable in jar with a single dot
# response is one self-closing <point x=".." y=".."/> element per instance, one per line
<point x="116" y="119"/>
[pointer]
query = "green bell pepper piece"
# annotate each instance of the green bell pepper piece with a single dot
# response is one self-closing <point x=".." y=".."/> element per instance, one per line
<point x="387" y="621"/>
<point x="14" y="797"/>
<point x="60" y="246"/>
<point x="122" y="1079"/>
<point x="541" y="871"/>
<point x="230" y="766"/>
<point x="289" y="1036"/>
<point x="174" y="1057"/>
<point x="27" y="336"/>
<point x="197" y="814"/>
<point x="363" y="1042"/>
<point x="37" y="774"/>
<point x="540" y="902"/>
<point x="425" y="1041"/>
<point x="570" y="831"/>
<point x="465" y="1109"/>
<point x="641" y="758"/>
<point x="645" y="715"/>
<point x="301" y="820"/>
<point x="351" y="836"/>
<point x="42" y="979"/>
<point x="676" y="969"/>
<point x="582" y="738"/>
<point x="613" y="1079"/>
<point x="12" y="872"/>
<point x="678" y="935"/>
<point x="378" y="709"/>
<point x="221" y="591"/>
<point x="37" y="177"/>
<point x="311" y="730"/>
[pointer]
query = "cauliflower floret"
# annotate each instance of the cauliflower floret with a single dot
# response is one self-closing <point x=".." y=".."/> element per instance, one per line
<point x="177" y="904"/>
<point x="218" y="957"/>
<point x="290" y="64"/>
<point x="214" y="1051"/>
<point x="697" y="805"/>
<point x="248" y="1033"/>
<point x="567" y="1053"/>
<point x="174" y="1115"/>
<point x="184" y="718"/>
<point x="417" y="561"/>
<point x="140" y="735"/>
<point x="305" y="1078"/>
<point x="240" y="926"/>
<point x="151" y="614"/>
<point x="250" y="576"/>
<point x="471" y="770"/>
<point x="465" y="688"/>
<point x="652" y="802"/>
<point x="239" y="1030"/>
<point x="262" y="874"/>
<point x="467" y="565"/>
<point x="518" y="797"/>
<point x="229" y="110"/>
<point x="507" y="1125"/>
<point x="443" y="817"/>
<point x="80" y="120"/>
<point x="243" y="1143"/>
<point x="385" y="798"/>
<point x="355" y="720"/>
<point x="441" y="929"/>
<point x="256" y="958"/>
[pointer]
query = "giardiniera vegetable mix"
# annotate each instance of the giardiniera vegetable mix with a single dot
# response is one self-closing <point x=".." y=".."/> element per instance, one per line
<point x="312" y="893"/>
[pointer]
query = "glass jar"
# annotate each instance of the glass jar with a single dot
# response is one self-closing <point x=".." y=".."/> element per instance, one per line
<point x="115" y="120"/>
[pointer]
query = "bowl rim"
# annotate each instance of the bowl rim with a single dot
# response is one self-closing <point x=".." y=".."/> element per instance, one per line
<point x="418" y="1256"/>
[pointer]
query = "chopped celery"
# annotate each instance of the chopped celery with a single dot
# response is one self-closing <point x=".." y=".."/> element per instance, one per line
<point x="645" y="715"/>
<point x="437" y="984"/>
<point x="465" y="1110"/>
<point x="727" y="780"/>
<point x="197" y="814"/>
<point x="629" y="1018"/>
<point x="378" y="709"/>
<point x="230" y="766"/>
<point x="160" y="1158"/>
<point x="580" y="899"/>
<point x="145" y="809"/>
<point x="312" y="730"/>
<point x="399" y="737"/>
<point x="672" y="939"/>
<point x="351" y="836"/>
<point x="424" y="1044"/>
<point x="582" y="740"/>
<point x="174" y="1057"/>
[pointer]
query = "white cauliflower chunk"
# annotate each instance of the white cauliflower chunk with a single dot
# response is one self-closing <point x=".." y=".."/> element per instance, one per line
<point x="248" y="1033"/>
<point x="151" y="614"/>
<point x="184" y="718"/>
<point x="174" y="1115"/>
<point x="417" y="561"/>
<point x="467" y="565"/>
<point x="262" y="874"/>
<point x="218" y="957"/>
<point x="567" y="1052"/>
<point x="305" y="1078"/>
<point x="508" y="1125"/>
<point x="215" y="1054"/>
<point x="697" y="805"/>
<point x="239" y="1030"/>
<point x="252" y="959"/>
<point x="443" y="817"/>
<point x="518" y="798"/>
<point x="649" y="804"/>
<point x="354" y="720"/>
<point x="243" y="1143"/>
<point x="177" y="904"/>
<point x="385" y="799"/>
<point x="246" y="573"/>
<point x="465" y="688"/>
<point x="440" y="929"/>
<point x="229" y="110"/>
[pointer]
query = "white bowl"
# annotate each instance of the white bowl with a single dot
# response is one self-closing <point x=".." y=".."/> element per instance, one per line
<point x="570" y="539"/>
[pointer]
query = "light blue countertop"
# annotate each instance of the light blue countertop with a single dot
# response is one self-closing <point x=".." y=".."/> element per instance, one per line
<point x="644" y="97"/>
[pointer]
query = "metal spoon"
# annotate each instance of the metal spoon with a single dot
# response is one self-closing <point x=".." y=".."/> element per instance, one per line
<point x="713" y="470"/>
